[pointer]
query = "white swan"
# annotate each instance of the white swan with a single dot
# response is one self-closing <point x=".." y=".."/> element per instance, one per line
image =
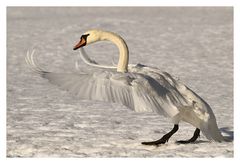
<point x="141" y="88"/>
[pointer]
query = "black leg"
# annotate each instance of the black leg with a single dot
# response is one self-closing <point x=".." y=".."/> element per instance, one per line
<point x="164" y="139"/>
<point x="193" y="139"/>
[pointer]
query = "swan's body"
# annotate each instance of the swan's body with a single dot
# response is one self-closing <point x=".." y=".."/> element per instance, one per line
<point x="141" y="88"/>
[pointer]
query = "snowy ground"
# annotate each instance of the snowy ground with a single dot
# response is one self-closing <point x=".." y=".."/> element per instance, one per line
<point x="194" y="44"/>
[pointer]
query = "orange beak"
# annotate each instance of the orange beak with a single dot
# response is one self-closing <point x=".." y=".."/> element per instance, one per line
<point x="80" y="44"/>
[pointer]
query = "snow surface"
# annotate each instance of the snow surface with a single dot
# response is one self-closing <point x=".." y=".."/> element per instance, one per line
<point x="194" y="44"/>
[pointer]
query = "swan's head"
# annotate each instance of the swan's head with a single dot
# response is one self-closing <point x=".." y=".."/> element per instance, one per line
<point x="88" y="38"/>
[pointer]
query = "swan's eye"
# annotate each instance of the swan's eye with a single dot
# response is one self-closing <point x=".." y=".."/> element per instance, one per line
<point x="82" y="42"/>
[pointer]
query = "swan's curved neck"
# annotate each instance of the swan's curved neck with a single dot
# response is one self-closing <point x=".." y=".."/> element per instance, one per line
<point x="123" y="50"/>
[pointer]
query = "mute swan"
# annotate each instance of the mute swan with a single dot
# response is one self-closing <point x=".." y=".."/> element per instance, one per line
<point x="141" y="88"/>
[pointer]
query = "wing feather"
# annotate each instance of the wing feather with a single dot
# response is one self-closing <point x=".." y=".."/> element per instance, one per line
<point x="93" y="87"/>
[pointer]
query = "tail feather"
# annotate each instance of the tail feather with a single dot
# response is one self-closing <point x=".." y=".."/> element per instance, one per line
<point x="211" y="131"/>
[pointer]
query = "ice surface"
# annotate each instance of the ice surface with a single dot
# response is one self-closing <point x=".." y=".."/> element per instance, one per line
<point x="194" y="44"/>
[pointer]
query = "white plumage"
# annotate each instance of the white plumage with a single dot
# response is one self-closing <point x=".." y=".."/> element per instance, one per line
<point x="141" y="88"/>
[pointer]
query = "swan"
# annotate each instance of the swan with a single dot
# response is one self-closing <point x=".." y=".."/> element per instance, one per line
<point x="139" y="87"/>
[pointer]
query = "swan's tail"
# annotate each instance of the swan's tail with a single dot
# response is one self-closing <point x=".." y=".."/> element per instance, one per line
<point x="206" y="123"/>
<point x="83" y="55"/>
<point x="211" y="131"/>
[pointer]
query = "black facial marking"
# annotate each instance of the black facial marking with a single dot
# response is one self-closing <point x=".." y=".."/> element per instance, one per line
<point x="85" y="36"/>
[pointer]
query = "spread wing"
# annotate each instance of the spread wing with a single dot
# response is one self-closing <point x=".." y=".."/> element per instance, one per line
<point x="139" y="92"/>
